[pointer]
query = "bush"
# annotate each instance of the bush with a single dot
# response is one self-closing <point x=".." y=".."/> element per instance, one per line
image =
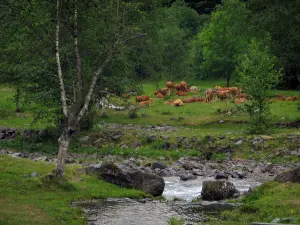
<point x="258" y="77"/>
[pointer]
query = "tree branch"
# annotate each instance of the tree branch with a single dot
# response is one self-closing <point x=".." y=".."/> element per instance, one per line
<point x="78" y="62"/>
<point x="59" y="71"/>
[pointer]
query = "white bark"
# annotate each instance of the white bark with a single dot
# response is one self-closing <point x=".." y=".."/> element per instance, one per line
<point x="60" y="76"/>
<point x="92" y="87"/>
<point x="78" y="61"/>
<point x="64" y="142"/>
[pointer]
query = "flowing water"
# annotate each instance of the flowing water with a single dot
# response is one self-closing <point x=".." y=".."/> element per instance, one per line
<point x="143" y="212"/>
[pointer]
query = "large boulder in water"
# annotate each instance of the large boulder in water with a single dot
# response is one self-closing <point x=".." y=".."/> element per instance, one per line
<point x="218" y="190"/>
<point x="147" y="182"/>
<point x="289" y="176"/>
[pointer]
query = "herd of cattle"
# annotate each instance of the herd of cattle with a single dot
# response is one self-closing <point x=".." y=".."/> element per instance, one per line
<point x="234" y="94"/>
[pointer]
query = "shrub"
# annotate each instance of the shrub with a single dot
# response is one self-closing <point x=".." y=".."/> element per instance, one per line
<point x="258" y="77"/>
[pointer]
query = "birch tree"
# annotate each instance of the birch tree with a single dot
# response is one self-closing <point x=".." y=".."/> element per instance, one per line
<point x="103" y="28"/>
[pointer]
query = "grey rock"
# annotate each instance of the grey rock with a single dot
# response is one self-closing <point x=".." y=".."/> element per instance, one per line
<point x="156" y="170"/>
<point x="289" y="176"/>
<point x="42" y="158"/>
<point x="217" y="190"/>
<point x="276" y="220"/>
<point x="94" y="169"/>
<point x="149" y="183"/>
<point x="240" y="142"/>
<point x="221" y="121"/>
<point x="267" y="168"/>
<point x="4" y="151"/>
<point x="34" y="174"/>
<point x="151" y="138"/>
<point x="116" y="135"/>
<point x="198" y="172"/>
<point x="220" y="176"/>
<point x="283" y="220"/>
<point x="84" y="139"/>
<point x="148" y="170"/>
<point x="2" y="135"/>
<point x="187" y="176"/>
<point x="238" y="174"/>
<point x="295" y="153"/>
<point x="19" y="155"/>
<point x="188" y="165"/>
<point x="158" y="165"/>
<point x="164" y="173"/>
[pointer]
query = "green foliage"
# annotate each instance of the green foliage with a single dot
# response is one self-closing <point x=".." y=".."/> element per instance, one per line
<point x="258" y="77"/>
<point x="175" y="221"/>
<point x="279" y="19"/>
<point x="220" y="42"/>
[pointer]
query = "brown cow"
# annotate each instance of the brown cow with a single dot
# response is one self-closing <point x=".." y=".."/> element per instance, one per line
<point x="159" y="95"/>
<point x="277" y="95"/>
<point x="169" y="84"/>
<point x="280" y="98"/>
<point x="234" y="91"/>
<point x="183" y="86"/>
<point x="243" y="95"/>
<point x="142" y="98"/>
<point x="163" y="91"/>
<point x="295" y="98"/>
<point x="209" y="94"/>
<point x="181" y="93"/>
<point x="176" y="102"/>
<point x="146" y="103"/>
<point x="222" y="95"/>
<point x="190" y="100"/>
<point x="239" y="101"/>
<point x="200" y="99"/>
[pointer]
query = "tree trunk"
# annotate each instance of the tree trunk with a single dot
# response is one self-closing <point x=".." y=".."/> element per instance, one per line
<point x="64" y="142"/>
<point x="228" y="80"/>
<point x="298" y="77"/>
<point x="18" y="100"/>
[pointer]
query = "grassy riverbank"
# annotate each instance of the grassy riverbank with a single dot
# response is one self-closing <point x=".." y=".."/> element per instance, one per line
<point x="26" y="200"/>
<point x="266" y="203"/>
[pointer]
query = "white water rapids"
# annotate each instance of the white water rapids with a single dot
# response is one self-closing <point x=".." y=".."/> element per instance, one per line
<point x="189" y="190"/>
<point x="148" y="212"/>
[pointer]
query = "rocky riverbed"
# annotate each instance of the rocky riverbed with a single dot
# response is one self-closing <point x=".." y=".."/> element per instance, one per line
<point x="187" y="168"/>
<point x="183" y="181"/>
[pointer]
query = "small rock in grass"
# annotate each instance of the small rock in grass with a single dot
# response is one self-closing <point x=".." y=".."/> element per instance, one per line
<point x="34" y="174"/>
<point x="240" y="142"/>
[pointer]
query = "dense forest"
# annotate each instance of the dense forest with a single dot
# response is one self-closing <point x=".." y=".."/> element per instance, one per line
<point x="199" y="39"/>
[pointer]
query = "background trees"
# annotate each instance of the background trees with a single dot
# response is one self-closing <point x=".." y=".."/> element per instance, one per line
<point x="63" y="54"/>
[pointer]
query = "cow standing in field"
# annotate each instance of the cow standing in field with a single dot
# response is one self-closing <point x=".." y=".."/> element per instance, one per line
<point x="223" y="95"/>
<point x="209" y="94"/>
